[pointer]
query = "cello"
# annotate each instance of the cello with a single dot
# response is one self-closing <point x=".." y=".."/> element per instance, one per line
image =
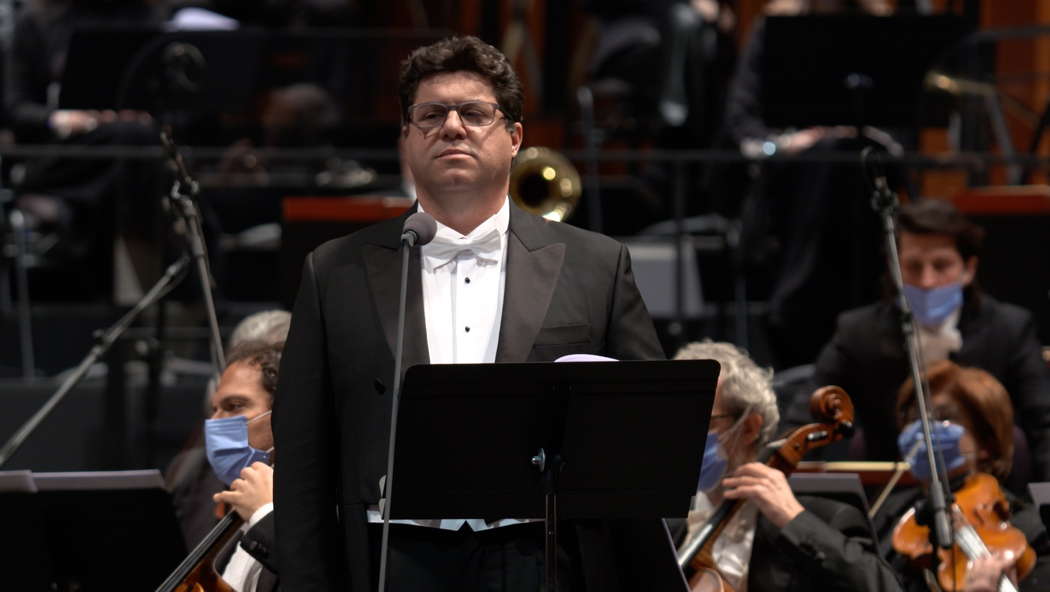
<point x="833" y="410"/>
<point x="197" y="573"/>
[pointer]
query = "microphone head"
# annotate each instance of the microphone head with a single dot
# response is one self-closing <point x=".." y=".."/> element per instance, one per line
<point x="422" y="226"/>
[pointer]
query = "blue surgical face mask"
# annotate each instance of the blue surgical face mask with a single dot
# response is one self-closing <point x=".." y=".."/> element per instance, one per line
<point x="945" y="436"/>
<point x="931" y="307"/>
<point x="714" y="464"/>
<point x="226" y="443"/>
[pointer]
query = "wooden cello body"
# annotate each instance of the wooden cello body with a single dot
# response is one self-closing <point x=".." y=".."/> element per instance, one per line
<point x="197" y="573"/>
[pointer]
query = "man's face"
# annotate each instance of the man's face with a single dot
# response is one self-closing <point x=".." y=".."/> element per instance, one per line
<point x="932" y="260"/>
<point x="240" y="392"/>
<point x="455" y="156"/>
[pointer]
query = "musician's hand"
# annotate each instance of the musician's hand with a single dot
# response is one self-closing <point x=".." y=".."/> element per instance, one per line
<point x="767" y="488"/>
<point x="69" y="122"/>
<point x="983" y="574"/>
<point x="251" y="491"/>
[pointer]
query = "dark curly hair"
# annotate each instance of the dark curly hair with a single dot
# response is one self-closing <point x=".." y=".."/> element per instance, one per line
<point x="266" y="356"/>
<point x="459" y="54"/>
<point x="936" y="216"/>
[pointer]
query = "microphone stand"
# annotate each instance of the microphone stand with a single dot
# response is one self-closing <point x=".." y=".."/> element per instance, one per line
<point x="103" y="341"/>
<point x="183" y="191"/>
<point x="885" y="202"/>
<point x="408" y="241"/>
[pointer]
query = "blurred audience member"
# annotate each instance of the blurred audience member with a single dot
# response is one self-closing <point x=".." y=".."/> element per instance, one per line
<point x="81" y="192"/>
<point x="809" y="224"/>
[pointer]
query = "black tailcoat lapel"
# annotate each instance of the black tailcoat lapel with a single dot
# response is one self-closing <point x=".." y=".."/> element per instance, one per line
<point x="383" y="261"/>
<point x="534" y="265"/>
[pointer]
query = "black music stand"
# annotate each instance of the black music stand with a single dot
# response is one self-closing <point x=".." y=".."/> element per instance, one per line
<point x="93" y="530"/>
<point x="553" y="441"/>
<point x="850" y="69"/>
<point x="1040" y="493"/>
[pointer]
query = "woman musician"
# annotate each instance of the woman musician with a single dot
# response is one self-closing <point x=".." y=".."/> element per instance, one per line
<point x="777" y="541"/>
<point x="974" y="429"/>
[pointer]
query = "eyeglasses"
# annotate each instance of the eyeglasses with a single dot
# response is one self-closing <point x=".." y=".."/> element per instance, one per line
<point x="717" y="416"/>
<point x="429" y="116"/>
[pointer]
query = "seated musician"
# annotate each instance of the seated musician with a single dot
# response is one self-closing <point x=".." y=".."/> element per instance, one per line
<point x="778" y="541"/>
<point x="978" y="437"/>
<point x="939" y="250"/>
<point x="239" y="446"/>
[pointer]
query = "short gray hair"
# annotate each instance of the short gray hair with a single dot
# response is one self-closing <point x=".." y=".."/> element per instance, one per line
<point x="269" y="326"/>
<point x="745" y="385"/>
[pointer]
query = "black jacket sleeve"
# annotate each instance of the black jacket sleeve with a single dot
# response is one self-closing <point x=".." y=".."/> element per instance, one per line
<point x="258" y="542"/>
<point x="631" y="335"/>
<point x="832" y="551"/>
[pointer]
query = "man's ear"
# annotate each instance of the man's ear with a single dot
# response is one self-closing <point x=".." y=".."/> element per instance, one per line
<point x="517" y="135"/>
<point x="752" y="428"/>
<point x="970" y="273"/>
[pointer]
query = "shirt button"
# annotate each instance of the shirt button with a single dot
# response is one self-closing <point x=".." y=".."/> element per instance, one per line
<point x="467" y="280"/>
<point x="468" y="329"/>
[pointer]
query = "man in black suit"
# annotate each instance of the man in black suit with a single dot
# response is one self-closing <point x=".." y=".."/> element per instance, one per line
<point x="495" y="285"/>
<point x="776" y="541"/>
<point x="938" y="248"/>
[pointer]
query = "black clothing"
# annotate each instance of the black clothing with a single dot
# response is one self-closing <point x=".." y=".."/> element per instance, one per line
<point x="257" y="541"/>
<point x="567" y="291"/>
<point x="41" y="40"/>
<point x="496" y="560"/>
<point x="807" y="224"/>
<point x="829" y="546"/>
<point x="866" y="357"/>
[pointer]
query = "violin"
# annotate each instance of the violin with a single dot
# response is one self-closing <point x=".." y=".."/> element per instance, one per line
<point x="980" y="517"/>
<point x="829" y="405"/>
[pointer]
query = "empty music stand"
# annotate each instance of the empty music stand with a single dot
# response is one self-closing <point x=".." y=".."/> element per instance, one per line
<point x="97" y="530"/>
<point x="552" y="441"/>
<point x="26" y="563"/>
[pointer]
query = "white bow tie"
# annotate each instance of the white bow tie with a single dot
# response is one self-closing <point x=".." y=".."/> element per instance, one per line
<point x="445" y="248"/>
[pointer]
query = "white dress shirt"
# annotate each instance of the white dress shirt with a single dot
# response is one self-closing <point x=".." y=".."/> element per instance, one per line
<point x="463" y="283"/>
<point x="937" y="343"/>
<point x="732" y="549"/>
<point x="242" y="570"/>
<point x="463" y="279"/>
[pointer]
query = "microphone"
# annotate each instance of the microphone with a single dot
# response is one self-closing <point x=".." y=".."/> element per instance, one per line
<point x="419" y="229"/>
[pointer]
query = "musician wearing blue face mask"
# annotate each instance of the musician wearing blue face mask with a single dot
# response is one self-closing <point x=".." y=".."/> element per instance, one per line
<point x="239" y="446"/>
<point x="956" y="321"/>
<point x="972" y="429"/>
<point x="777" y="541"/>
